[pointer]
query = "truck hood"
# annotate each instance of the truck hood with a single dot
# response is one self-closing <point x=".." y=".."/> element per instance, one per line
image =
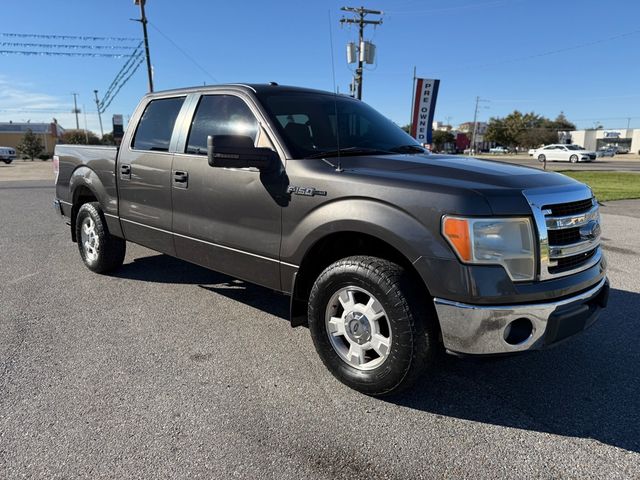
<point x="501" y="184"/>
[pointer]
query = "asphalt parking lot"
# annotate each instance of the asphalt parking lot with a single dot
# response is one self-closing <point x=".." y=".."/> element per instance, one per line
<point x="168" y="370"/>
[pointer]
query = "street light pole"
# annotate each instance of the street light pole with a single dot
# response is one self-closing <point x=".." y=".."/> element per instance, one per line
<point x="75" y="110"/>
<point x="95" y="92"/>
<point x="143" y="20"/>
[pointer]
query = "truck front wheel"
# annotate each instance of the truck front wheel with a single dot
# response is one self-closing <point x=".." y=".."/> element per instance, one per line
<point x="370" y="326"/>
<point x="99" y="250"/>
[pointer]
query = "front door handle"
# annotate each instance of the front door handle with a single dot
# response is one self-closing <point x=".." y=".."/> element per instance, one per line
<point x="125" y="171"/>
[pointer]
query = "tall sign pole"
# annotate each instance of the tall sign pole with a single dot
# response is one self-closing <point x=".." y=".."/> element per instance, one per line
<point x="363" y="47"/>
<point x="143" y="20"/>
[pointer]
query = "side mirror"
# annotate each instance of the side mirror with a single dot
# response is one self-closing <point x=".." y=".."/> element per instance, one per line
<point x="237" y="151"/>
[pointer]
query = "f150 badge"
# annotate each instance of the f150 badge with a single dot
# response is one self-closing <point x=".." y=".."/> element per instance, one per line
<point x="306" y="191"/>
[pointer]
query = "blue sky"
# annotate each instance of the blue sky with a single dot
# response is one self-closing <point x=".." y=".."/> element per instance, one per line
<point x="498" y="50"/>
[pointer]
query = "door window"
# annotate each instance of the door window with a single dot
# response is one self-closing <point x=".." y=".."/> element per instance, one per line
<point x="156" y="125"/>
<point x="220" y="115"/>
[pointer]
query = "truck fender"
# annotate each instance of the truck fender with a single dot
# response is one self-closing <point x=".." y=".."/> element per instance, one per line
<point x="86" y="182"/>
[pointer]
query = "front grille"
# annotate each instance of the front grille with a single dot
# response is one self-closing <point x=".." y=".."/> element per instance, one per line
<point x="570" y="263"/>
<point x="564" y="237"/>
<point x="563" y="209"/>
<point x="592" y="156"/>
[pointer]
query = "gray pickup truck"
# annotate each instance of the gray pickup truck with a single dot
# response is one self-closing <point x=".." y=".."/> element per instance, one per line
<point x="389" y="254"/>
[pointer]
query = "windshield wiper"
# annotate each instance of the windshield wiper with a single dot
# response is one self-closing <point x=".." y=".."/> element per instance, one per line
<point x="408" y="149"/>
<point x="348" y="151"/>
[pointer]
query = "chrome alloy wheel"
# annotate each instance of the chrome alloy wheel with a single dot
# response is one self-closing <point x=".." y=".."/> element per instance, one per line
<point x="358" y="328"/>
<point x="89" y="239"/>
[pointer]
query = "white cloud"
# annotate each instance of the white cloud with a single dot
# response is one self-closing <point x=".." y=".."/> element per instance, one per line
<point x="20" y="102"/>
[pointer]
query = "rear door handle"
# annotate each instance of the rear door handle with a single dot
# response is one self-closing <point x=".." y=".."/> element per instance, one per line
<point x="125" y="171"/>
<point x="181" y="177"/>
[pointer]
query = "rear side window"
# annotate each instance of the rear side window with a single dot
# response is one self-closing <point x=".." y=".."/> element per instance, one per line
<point x="220" y="115"/>
<point x="156" y="125"/>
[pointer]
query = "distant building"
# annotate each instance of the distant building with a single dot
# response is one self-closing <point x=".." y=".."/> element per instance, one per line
<point x="595" y="139"/>
<point x="481" y="128"/>
<point x="11" y="133"/>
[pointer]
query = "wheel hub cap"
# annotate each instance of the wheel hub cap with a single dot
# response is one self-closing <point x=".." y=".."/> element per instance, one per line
<point x="89" y="238"/>
<point x="358" y="328"/>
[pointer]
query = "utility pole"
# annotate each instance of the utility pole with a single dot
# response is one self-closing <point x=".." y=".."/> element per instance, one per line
<point x="143" y="21"/>
<point x="95" y="92"/>
<point x="360" y="20"/>
<point x="475" y="123"/>
<point x="86" y="132"/>
<point x="75" y="110"/>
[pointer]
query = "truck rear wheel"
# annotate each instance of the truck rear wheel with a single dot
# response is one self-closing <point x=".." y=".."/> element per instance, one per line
<point x="370" y="326"/>
<point x="99" y="250"/>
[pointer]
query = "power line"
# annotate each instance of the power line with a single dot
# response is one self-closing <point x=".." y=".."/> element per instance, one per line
<point x="68" y="37"/>
<point x="106" y="102"/>
<point x="135" y="56"/>
<point x="189" y="57"/>
<point x="62" y="54"/>
<point x="70" y="46"/>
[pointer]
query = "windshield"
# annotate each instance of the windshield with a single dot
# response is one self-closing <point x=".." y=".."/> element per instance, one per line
<point x="574" y="147"/>
<point x="307" y="123"/>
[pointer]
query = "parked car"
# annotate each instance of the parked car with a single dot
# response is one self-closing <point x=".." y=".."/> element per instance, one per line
<point x="564" y="153"/>
<point x="7" y="154"/>
<point x="503" y="150"/>
<point x="388" y="254"/>
<point x="606" y="152"/>
<point x="621" y="150"/>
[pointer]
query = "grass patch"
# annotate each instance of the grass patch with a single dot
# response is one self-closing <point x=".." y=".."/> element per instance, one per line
<point x="609" y="185"/>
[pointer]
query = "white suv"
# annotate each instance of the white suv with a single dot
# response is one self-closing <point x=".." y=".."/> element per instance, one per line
<point x="7" y="154"/>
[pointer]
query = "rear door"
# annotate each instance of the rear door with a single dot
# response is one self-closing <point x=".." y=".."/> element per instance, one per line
<point x="227" y="219"/>
<point x="144" y="175"/>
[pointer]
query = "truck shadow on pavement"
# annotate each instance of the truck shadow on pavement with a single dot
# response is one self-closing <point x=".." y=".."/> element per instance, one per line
<point x="165" y="269"/>
<point x="587" y="387"/>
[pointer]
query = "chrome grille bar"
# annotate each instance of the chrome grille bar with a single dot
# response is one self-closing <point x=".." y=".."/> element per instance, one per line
<point x="540" y="200"/>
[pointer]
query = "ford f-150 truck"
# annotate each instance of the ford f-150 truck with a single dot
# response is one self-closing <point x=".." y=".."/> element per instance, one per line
<point x="389" y="254"/>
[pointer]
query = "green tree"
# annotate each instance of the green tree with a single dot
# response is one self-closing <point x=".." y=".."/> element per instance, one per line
<point x="30" y="145"/>
<point x="442" y="137"/>
<point x="526" y="130"/>
<point x="407" y="128"/>
<point x="562" y="124"/>
<point x="79" y="137"/>
<point x="107" y="139"/>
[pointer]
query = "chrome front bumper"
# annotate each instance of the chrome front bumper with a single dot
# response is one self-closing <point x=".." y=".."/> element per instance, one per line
<point x="483" y="329"/>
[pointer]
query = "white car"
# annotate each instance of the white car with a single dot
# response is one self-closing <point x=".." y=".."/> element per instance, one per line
<point x="564" y="153"/>
<point x="503" y="150"/>
<point x="7" y="154"/>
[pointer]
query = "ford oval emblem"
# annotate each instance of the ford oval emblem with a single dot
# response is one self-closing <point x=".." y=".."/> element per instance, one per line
<point x="590" y="230"/>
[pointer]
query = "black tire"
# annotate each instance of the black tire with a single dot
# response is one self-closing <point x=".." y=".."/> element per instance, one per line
<point x="109" y="251"/>
<point x="7" y="161"/>
<point x="573" y="159"/>
<point x="413" y="329"/>
<point x="542" y="158"/>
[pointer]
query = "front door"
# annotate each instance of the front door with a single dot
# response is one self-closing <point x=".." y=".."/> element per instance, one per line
<point x="227" y="219"/>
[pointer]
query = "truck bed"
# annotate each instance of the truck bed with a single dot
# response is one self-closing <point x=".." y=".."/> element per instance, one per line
<point x="97" y="164"/>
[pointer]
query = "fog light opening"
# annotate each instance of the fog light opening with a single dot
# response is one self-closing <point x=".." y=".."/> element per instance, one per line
<point x="518" y="331"/>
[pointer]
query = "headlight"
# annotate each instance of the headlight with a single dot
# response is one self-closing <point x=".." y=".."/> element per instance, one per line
<point x="495" y="241"/>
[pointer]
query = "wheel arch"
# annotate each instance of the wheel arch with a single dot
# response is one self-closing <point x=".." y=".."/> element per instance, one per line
<point x="85" y="186"/>
<point x="332" y="247"/>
